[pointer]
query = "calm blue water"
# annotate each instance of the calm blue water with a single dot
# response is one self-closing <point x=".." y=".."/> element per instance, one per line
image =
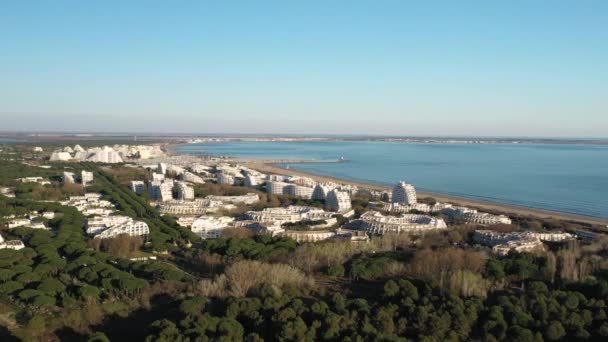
<point x="566" y="178"/>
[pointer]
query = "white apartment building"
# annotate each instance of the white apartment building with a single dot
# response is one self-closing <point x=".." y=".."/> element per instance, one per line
<point x="338" y="201"/>
<point x="68" y="177"/>
<point x="298" y="191"/>
<point x="37" y="149"/>
<point x="397" y="208"/>
<point x="113" y="226"/>
<point x="226" y="179"/>
<point x="184" y="192"/>
<point x="291" y="214"/>
<point x="86" y="177"/>
<point x="103" y="155"/>
<point x="60" y="156"/>
<point x="250" y="198"/>
<point x="320" y="192"/>
<point x="503" y="243"/>
<point x="404" y="193"/>
<point x="22" y="222"/>
<point x="309" y="235"/>
<point x="158" y="177"/>
<point x="138" y="187"/>
<point x="161" y="168"/>
<point x="12" y="244"/>
<point x="161" y="191"/>
<point x="376" y="223"/>
<point x="197" y="207"/>
<point x="472" y="216"/>
<point x="275" y="187"/>
<point x="192" y="178"/>
<point x="211" y="227"/>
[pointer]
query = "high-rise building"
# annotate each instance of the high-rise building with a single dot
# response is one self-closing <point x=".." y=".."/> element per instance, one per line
<point x="404" y="193"/>
<point x="276" y="188"/>
<point x="184" y="192"/>
<point x="338" y="201"/>
<point x="161" y="168"/>
<point x="161" y="191"/>
<point x="320" y="192"/>
<point x="86" y="177"/>
<point x="68" y="177"/>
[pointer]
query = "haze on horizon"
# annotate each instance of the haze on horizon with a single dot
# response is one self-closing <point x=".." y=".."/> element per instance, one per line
<point x="472" y="68"/>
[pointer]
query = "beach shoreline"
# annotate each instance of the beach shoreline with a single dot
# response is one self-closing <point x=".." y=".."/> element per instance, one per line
<point x="507" y="209"/>
<point x="267" y="165"/>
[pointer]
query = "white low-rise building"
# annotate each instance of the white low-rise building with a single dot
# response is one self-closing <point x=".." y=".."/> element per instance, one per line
<point x="211" y="227"/>
<point x="22" y="222"/>
<point x="11" y="244"/>
<point x="250" y="198"/>
<point x="113" y="226"/>
<point x="290" y="214"/>
<point x="225" y="179"/>
<point x="197" y="207"/>
<point x="503" y="243"/>
<point x="376" y="223"/>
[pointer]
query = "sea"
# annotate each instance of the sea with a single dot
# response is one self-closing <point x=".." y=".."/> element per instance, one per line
<point x="569" y="178"/>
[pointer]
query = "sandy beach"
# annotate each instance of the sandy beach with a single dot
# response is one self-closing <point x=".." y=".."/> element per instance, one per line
<point x="511" y="210"/>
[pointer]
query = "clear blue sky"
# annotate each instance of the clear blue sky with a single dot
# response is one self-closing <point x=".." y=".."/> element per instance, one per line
<point x="378" y="67"/>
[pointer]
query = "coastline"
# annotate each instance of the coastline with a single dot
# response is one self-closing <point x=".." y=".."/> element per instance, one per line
<point x="512" y="210"/>
<point x="266" y="165"/>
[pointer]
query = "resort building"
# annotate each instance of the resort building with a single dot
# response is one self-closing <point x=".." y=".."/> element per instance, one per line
<point x="275" y="187"/>
<point x="60" y="156"/>
<point x="297" y="191"/>
<point x="103" y="155"/>
<point x="161" y="191"/>
<point x="38" y="180"/>
<point x="184" y="192"/>
<point x="338" y="201"/>
<point x="503" y="243"/>
<point x="404" y="193"/>
<point x="37" y="149"/>
<point x="320" y="192"/>
<point x="197" y="207"/>
<point x="185" y="221"/>
<point x="11" y="244"/>
<point x="68" y="177"/>
<point x="158" y="177"/>
<point x="250" y="198"/>
<point x="138" y="187"/>
<point x="291" y="214"/>
<point x="376" y="223"/>
<point x="309" y="235"/>
<point x="192" y="178"/>
<point x="472" y="216"/>
<point x="86" y="177"/>
<point x="161" y="168"/>
<point x="225" y="179"/>
<point x="112" y="226"/>
<point x="397" y="208"/>
<point x="89" y="203"/>
<point x="211" y="227"/>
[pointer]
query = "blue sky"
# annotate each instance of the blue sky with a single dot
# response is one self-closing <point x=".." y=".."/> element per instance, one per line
<point x="515" y="68"/>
